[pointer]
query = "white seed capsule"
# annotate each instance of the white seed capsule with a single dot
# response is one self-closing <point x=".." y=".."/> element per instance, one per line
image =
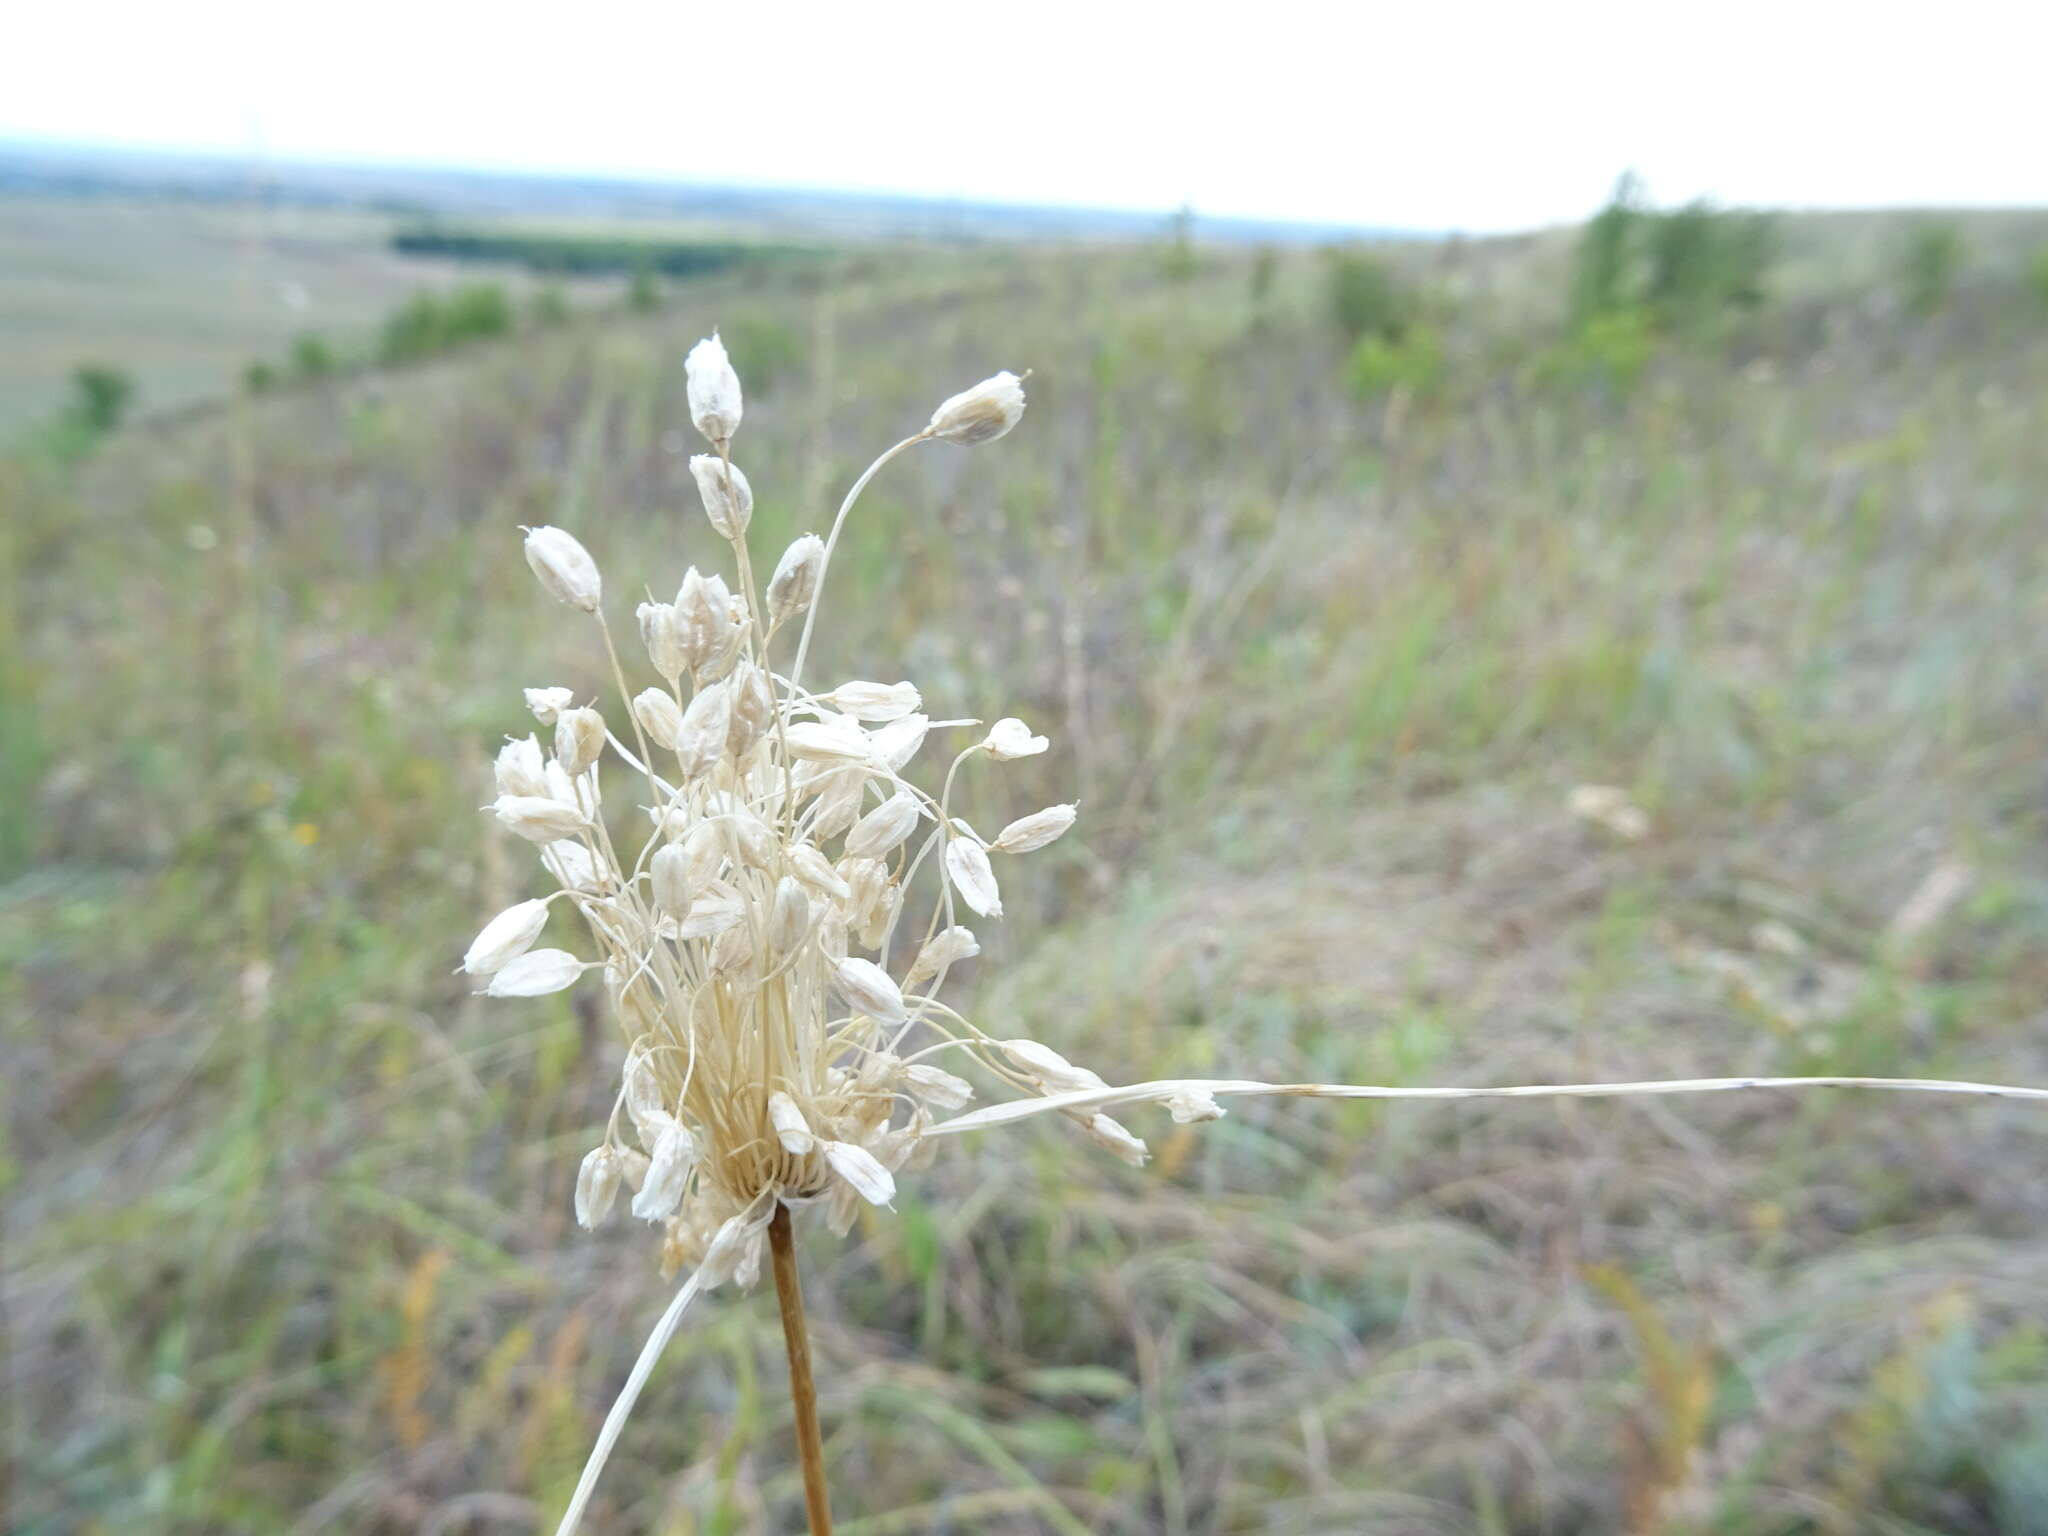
<point x="1194" y="1105"/>
<point x="711" y="914"/>
<point x="646" y="1104"/>
<point x="703" y="612"/>
<point x="968" y="866"/>
<point x="949" y="946"/>
<point x="535" y="974"/>
<point x="936" y="1086"/>
<point x="506" y="937"/>
<point x="597" y="1186"/>
<point x="546" y="703"/>
<point x="661" y="632"/>
<point x="571" y="863"/>
<point x="883" y="829"/>
<point x="705" y="845"/>
<point x="669" y="870"/>
<point x="790" y="918"/>
<point x="660" y="716"/>
<point x="795" y="581"/>
<point x="1112" y="1137"/>
<point x="564" y="567"/>
<point x="815" y="870"/>
<point x="537" y="818"/>
<point x="791" y="1128"/>
<point x="868" y="988"/>
<point x="1049" y="1069"/>
<point x="725" y="642"/>
<point x="675" y="1151"/>
<point x="876" y="701"/>
<point x="1011" y="738"/>
<point x="702" y="733"/>
<point x="521" y="770"/>
<point x="714" y="390"/>
<point x="753" y="709"/>
<point x="862" y="1173"/>
<point x="881" y="916"/>
<point x="837" y="740"/>
<point x="1029" y="833"/>
<point x="981" y="414"/>
<point x="579" y="739"/>
<point x="728" y="499"/>
<point x="896" y="743"/>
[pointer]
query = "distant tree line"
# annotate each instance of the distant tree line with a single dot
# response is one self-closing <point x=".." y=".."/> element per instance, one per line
<point x="585" y="255"/>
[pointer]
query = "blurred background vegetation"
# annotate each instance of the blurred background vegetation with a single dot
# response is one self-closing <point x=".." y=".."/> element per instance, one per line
<point x="1333" y="573"/>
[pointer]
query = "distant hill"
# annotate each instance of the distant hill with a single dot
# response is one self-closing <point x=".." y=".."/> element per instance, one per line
<point x="54" y="169"/>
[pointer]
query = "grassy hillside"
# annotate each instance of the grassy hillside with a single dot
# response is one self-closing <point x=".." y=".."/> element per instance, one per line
<point x="289" y="1240"/>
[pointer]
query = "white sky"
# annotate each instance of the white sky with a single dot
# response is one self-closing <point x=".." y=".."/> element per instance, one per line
<point x="1423" y="114"/>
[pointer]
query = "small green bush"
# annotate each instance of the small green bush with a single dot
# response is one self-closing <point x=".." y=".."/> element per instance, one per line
<point x="100" y="397"/>
<point x="1931" y="256"/>
<point x="1379" y="366"/>
<point x="312" y="358"/>
<point x="1367" y="299"/>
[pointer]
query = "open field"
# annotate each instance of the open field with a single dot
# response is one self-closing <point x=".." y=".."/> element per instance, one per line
<point x="289" y="1244"/>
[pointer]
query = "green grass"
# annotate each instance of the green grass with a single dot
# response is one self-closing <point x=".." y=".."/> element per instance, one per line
<point x="289" y="1244"/>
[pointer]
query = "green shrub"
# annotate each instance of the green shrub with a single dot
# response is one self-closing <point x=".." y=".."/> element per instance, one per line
<point x="1604" y="260"/>
<point x="312" y="358"/>
<point x="476" y="312"/>
<point x="1378" y="366"/>
<point x="643" y="293"/>
<point x="1686" y="268"/>
<point x="2037" y="274"/>
<point x="419" y="328"/>
<point x="1931" y="256"/>
<point x="1367" y="299"/>
<point x="100" y="397"/>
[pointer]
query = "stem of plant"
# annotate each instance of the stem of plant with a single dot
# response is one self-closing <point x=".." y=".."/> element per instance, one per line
<point x="803" y="1391"/>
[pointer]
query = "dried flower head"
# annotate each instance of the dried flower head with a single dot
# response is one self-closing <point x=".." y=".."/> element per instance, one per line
<point x="714" y="391"/>
<point x="981" y="414"/>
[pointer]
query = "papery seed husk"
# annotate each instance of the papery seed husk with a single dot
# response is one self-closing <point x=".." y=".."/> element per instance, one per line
<point x="981" y="414"/>
<point x="790" y="918"/>
<point x="1010" y="738"/>
<point x="1193" y="1106"/>
<point x="1112" y="1137"/>
<point x="538" y="819"/>
<point x="661" y="631"/>
<point x="883" y="829"/>
<point x="701" y="738"/>
<point x="816" y="871"/>
<point x="1052" y="1071"/>
<point x="597" y="1186"/>
<point x="728" y="499"/>
<point x="968" y="866"/>
<point x="714" y="390"/>
<point x="535" y="974"/>
<point x="572" y="864"/>
<point x="881" y="916"/>
<point x="896" y="743"/>
<point x="660" y="716"/>
<point x="836" y="741"/>
<point x="646" y="1102"/>
<point x="564" y="567"/>
<point x="579" y="739"/>
<point x="948" y="947"/>
<point x="1029" y="833"/>
<point x="937" y="1086"/>
<point x="521" y="769"/>
<point x="861" y="1171"/>
<point x="876" y="701"/>
<point x="791" y="1129"/>
<point x="547" y="703"/>
<point x="868" y="988"/>
<point x="753" y="708"/>
<point x="669" y="871"/>
<point x="795" y="581"/>
<point x="506" y="937"/>
<point x="668" y="1170"/>
<point x="710" y="915"/>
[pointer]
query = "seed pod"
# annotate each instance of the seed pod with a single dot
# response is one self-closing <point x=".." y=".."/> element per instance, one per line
<point x="968" y="866"/>
<point x="571" y="864"/>
<point x="1049" y="1069"/>
<point x="669" y="871"/>
<point x="935" y="1085"/>
<point x="949" y="946"/>
<point x="1113" y="1138"/>
<point x="579" y="739"/>
<point x="790" y="918"/>
<point x="815" y="870"/>
<point x="883" y="829"/>
<point x="705" y="845"/>
<point x="714" y="390"/>
<point x="753" y="709"/>
<point x="506" y="937"/>
<point x="728" y="499"/>
<point x="732" y="951"/>
<point x="865" y="879"/>
<point x="597" y="1186"/>
<point x="725" y="643"/>
<point x="661" y="632"/>
<point x="564" y="567"/>
<point x="646" y="1103"/>
<point x="1193" y="1105"/>
<point x="896" y="743"/>
<point x="521" y="770"/>
<point x="546" y="703"/>
<point x="868" y="988"/>
<point x="539" y="819"/>
<point x="832" y="740"/>
<point x="675" y="1151"/>
<point x="702" y="733"/>
<point x="862" y="1173"/>
<point x="839" y="803"/>
<point x="795" y="581"/>
<point x="660" y="716"/>
<point x="876" y="701"/>
<point x="1032" y="832"/>
<point x="791" y="1128"/>
<point x="703" y="612"/>
<point x="881" y="916"/>
<point x="1011" y="738"/>
<point x="981" y="414"/>
<point x="713" y="913"/>
<point x="535" y="974"/>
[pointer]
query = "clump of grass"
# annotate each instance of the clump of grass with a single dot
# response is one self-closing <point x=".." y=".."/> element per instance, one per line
<point x="770" y="1064"/>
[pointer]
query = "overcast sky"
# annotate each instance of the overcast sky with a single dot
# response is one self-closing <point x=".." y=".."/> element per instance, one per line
<point x="1423" y="115"/>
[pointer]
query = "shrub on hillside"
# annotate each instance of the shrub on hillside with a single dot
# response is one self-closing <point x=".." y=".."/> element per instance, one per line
<point x="1367" y="299"/>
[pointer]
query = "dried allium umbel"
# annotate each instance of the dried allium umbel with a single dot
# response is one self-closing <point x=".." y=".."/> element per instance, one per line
<point x="773" y="952"/>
